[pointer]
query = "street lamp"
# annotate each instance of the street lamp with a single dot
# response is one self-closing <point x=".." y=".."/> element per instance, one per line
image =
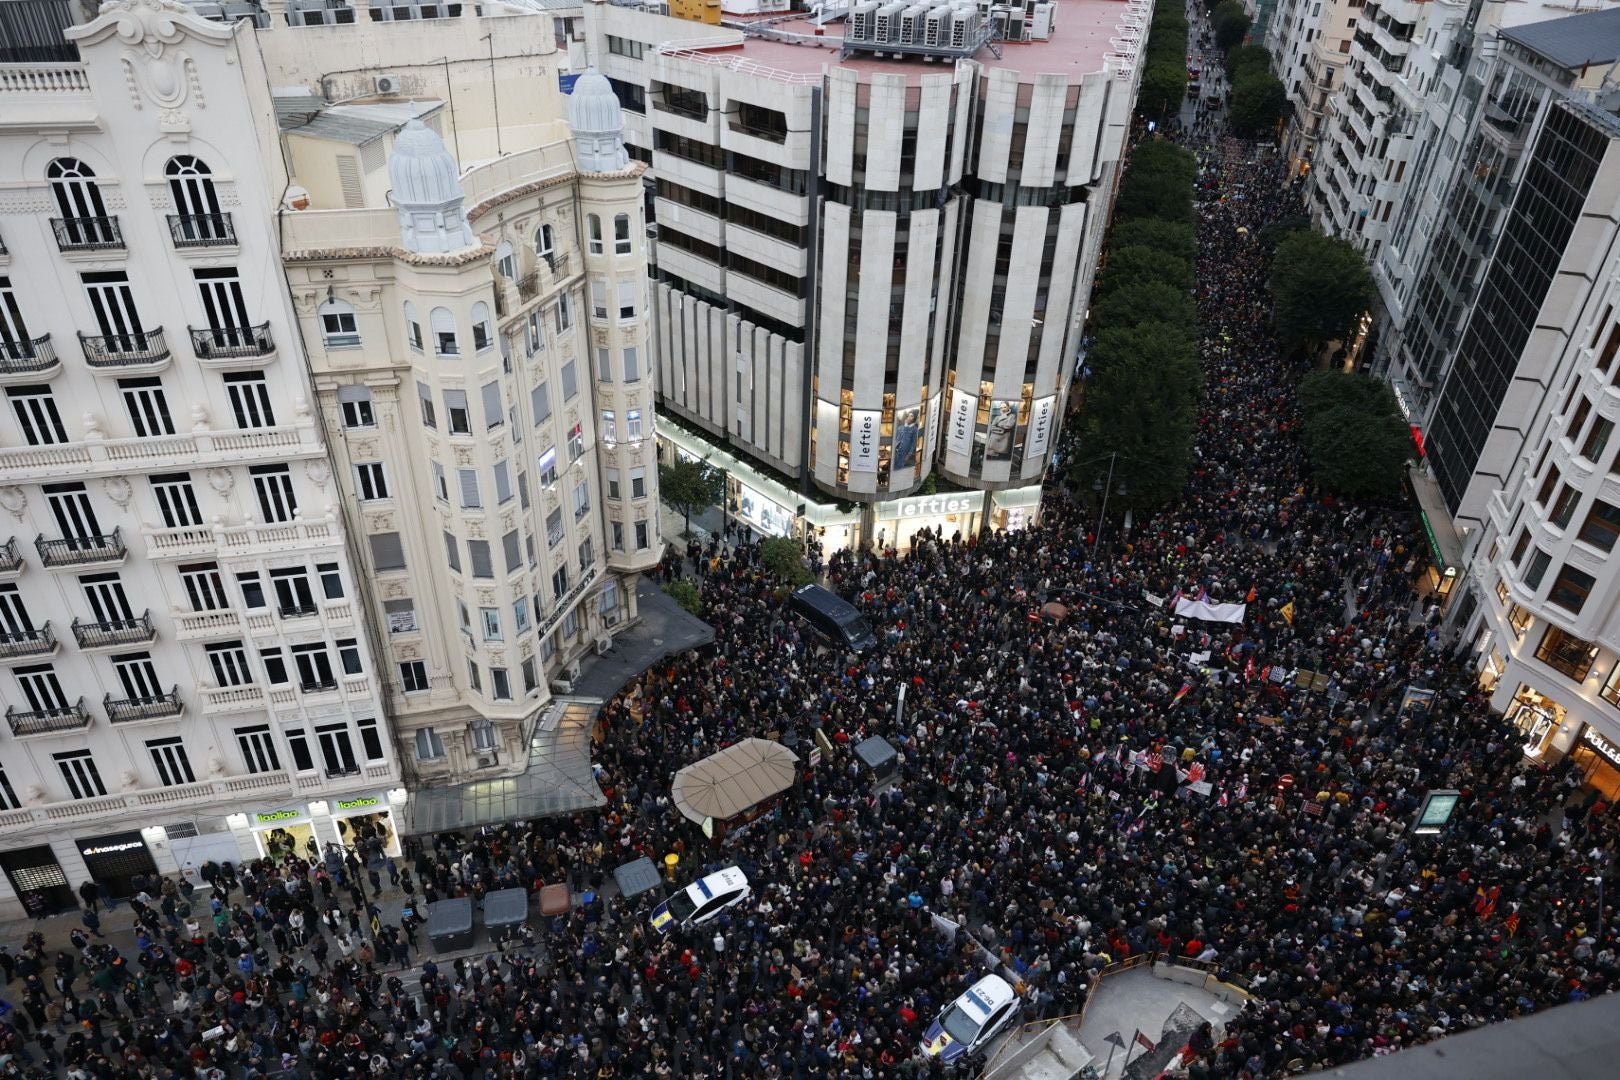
<point x="1106" y="487"/>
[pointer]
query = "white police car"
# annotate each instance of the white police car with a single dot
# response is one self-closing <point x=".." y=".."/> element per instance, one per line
<point x="966" y="1025"/>
<point x="702" y="900"/>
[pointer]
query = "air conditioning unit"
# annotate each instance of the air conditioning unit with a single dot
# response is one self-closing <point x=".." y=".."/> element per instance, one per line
<point x="562" y="686"/>
<point x="603" y="644"/>
<point x="571" y="672"/>
<point x="1044" y="21"/>
<point x="486" y="761"/>
<point x="386" y="84"/>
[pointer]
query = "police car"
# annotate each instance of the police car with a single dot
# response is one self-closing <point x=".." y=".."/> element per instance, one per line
<point x="702" y="900"/>
<point x="966" y="1025"/>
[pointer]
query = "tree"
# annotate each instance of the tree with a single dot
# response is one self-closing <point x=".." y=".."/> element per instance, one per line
<point x="1146" y="304"/>
<point x="1158" y="184"/>
<point x="1230" y="23"/>
<point x="690" y="485"/>
<point x="1142" y="409"/>
<point x="1170" y="237"/>
<point x="1129" y="266"/>
<point x="1319" y="288"/>
<point x="1170" y="347"/>
<point x="1354" y="434"/>
<point x="1163" y="87"/>
<point x="1243" y="61"/>
<point x="1275" y="233"/>
<point x="1258" y="103"/>
<point x="687" y="595"/>
<point x="783" y="556"/>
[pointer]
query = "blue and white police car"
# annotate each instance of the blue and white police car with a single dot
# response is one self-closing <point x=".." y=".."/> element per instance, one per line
<point x="966" y="1025"/>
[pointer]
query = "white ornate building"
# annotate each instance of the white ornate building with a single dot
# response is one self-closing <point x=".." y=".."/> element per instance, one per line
<point x="184" y="662"/>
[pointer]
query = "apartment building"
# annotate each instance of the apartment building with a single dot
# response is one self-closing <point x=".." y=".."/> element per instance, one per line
<point x="183" y="655"/>
<point x="1310" y="43"/>
<point x="875" y="239"/>
<point x="478" y="329"/>
<point x="1544" y="606"/>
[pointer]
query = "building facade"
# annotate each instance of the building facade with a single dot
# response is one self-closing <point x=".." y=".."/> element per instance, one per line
<point x="1309" y="41"/>
<point x="872" y="263"/>
<point x="186" y="670"/>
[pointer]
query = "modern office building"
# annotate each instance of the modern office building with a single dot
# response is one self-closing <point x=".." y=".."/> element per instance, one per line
<point x="1544" y="610"/>
<point x="875" y="240"/>
<point x="184" y="659"/>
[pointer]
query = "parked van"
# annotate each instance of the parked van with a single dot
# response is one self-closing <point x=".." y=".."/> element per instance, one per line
<point x="832" y="617"/>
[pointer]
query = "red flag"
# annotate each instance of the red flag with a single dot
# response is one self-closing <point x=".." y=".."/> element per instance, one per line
<point x="1512" y="924"/>
<point x="1186" y="688"/>
<point x="1146" y="1042"/>
<point x="1222" y="800"/>
<point x="1248" y="669"/>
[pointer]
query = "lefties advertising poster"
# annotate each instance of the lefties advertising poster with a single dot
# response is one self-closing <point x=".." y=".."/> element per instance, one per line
<point x="959" y="440"/>
<point x="863" y="439"/>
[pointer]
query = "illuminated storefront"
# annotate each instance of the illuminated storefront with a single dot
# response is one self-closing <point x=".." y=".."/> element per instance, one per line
<point x="1598" y="758"/>
<point x="1538" y="719"/>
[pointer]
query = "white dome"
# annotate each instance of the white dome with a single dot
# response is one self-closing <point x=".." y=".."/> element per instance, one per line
<point x="597" y="121"/>
<point x="422" y="170"/>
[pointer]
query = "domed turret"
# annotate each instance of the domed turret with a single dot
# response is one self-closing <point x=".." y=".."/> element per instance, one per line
<point x="597" y="121"/>
<point x="427" y="191"/>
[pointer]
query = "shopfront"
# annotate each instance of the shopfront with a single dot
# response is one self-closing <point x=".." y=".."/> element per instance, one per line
<point x="38" y="880"/>
<point x="282" y="831"/>
<point x="834" y="528"/>
<point x="117" y="860"/>
<point x="1538" y="719"/>
<point x="1015" y="508"/>
<point x="1598" y="758"/>
<point x="361" y="819"/>
<point x="767" y="509"/>
<point x="896" y="521"/>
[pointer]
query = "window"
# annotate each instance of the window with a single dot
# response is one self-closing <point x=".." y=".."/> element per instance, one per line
<point x="413" y="327"/>
<point x="565" y="314"/>
<point x="501" y="688"/>
<point x="170" y="761"/>
<point x="1519" y="545"/>
<point x="483" y="329"/>
<point x="582" y="499"/>
<point x="453" y="551"/>
<point x="619" y="46"/>
<point x="444" y="332"/>
<point x="294" y="597"/>
<point x="1539" y="561"/>
<point x="531" y="681"/>
<point x="632" y="425"/>
<point x="387" y="552"/>
<point x="1566" y="653"/>
<point x="147" y="407"/>
<point x="425" y="396"/>
<point x="370" y="480"/>
<point x="337" y="754"/>
<point x="354" y="403"/>
<point x="503" y="483"/>
<point x="314" y="665"/>
<point x="1571" y="588"/>
<point x="548" y="469"/>
<point x="275" y="666"/>
<point x="520" y="615"/>
<point x="203" y="586"/>
<point x="273" y="484"/>
<point x="540" y="402"/>
<point x="441" y="486"/>
<point x="609" y="433"/>
<point x="338" y="327"/>
<point x="458" y="421"/>
<point x="621" y="234"/>
<point x="176" y="500"/>
<point x="78" y="200"/>
<point x="617" y="529"/>
<point x="534" y="333"/>
<point x="1563" y="507"/>
<point x="505" y="261"/>
<point x="512" y="556"/>
<point x="252" y="590"/>
<point x="494" y="412"/>
<point x="543" y="243"/>
<point x="1544" y="496"/>
<point x="15" y="344"/>
<point x="298" y="744"/>
<point x="490" y="620"/>
<point x="587" y="554"/>
<point x="610" y="597"/>
<point x="627" y="299"/>
<point x="554" y="528"/>
<point x="478" y="555"/>
<point x="576" y="443"/>
<point x="1583" y="408"/>
<point x="559" y="581"/>
<point x="570" y="624"/>
<point x="250" y="399"/>
<point x="613" y="483"/>
<point x="331" y="580"/>
<point x="229" y="663"/>
<point x="475" y="680"/>
<point x="429" y="747"/>
<point x="641" y="536"/>
<point x="631" y="364"/>
<point x="638" y="483"/>
<point x="593" y="234"/>
<point x="37" y="416"/>
<point x="349" y="656"/>
<point x="467" y="484"/>
<point x="258" y="749"/>
<point x="80" y="774"/>
<point x="1598" y="440"/>
<point x="413" y="677"/>
<point x="1602" y="526"/>
<point x="464" y="617"/>
<point x="401" y="616"/>
<point x="512" y="419"/>
<point x="599" y="299"/>
<point x="370" y="738"/>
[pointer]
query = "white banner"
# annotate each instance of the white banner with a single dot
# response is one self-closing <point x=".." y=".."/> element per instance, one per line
<point x="935" y="407"/>
<point x="1197" y="609"/>
<point x="960" y="438"/>
<point x="863" y="439"/>
<point x="1041" y="415"/>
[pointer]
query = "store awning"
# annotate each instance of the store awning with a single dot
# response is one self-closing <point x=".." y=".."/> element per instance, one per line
<point x="557" y="780"/>
<point x="1444" y="543"/>
<point x="723" y="785"/>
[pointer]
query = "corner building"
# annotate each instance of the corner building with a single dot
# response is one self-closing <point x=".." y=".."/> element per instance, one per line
<point x="873" y="256"/>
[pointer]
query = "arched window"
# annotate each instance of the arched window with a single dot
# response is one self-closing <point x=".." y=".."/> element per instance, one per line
<point x="413" y="326"/>
<point x="593" y="225"/>
<point x="78" y="199"/>
<point x="338" y="327"/>
<point x="621" y="234"/>
<point x="505" y="262"/>
<point x="444" y="332"/>
<point x="197" y="218"/>
<point x="483" y="329"/>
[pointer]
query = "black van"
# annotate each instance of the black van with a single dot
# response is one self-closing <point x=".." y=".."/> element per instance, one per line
<point x="833" y="618"/>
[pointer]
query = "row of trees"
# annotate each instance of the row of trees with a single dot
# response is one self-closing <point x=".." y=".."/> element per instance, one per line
<point x="1164" y="62"/>
<point x="1259" y="98"/>
<point x="1142" y="395"/>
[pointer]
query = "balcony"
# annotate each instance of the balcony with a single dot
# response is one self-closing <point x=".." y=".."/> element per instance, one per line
<point x="250" y="539"/>
<point x="48" y="721"/>
<point x="190" y="625"/>
<point x="143" y="350"/>
<point x="28" y="360"/>
<point x="201" y="231"/>
<point x="201" y="447"/>
<point x="232" y="344"/>
<point x="11" y="560"/>
<point x="318" y="686"/>
<point x="27" y="643"/>
<point x="340" y="771"/>
<point x="74" y="552"/>
<point x="133" y="710"/>
<point x="108" y="635"/>
<point x="228" y="699"/>
<point x="88" y="234"/>
<point x="297" y="611"/>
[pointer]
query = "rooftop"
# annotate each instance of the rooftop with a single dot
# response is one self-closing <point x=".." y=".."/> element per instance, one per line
<point x="356" y="125"/>
<point x="1572" y="42"/>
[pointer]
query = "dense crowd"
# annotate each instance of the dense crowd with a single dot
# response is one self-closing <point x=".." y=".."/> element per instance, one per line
<point x="1076" y="788"/>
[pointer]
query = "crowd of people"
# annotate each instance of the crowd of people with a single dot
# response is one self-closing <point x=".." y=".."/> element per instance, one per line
<point x="1077" y="785"/>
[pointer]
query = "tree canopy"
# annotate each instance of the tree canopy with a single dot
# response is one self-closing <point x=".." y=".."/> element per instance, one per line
<point x="1354" y="434"/>
<point x="783" y="556"/>
<point x="1145" y="266"/>
<point x="1146" y="303"/>
<point x="690" y="486"/>
<point x="1170" y="237"/>
<point x="1242" y="60"/>
<point x="1258" y="101"/>
<point x="1319" y="287"/>
<point x="1231" y="23"/>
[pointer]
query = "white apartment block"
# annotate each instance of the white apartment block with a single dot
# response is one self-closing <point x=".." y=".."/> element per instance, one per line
<point x="184" y="661"/>
<point x="874" y="248"/>
<point x="479" y="334"/>
<point x="1310" y="42"/>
